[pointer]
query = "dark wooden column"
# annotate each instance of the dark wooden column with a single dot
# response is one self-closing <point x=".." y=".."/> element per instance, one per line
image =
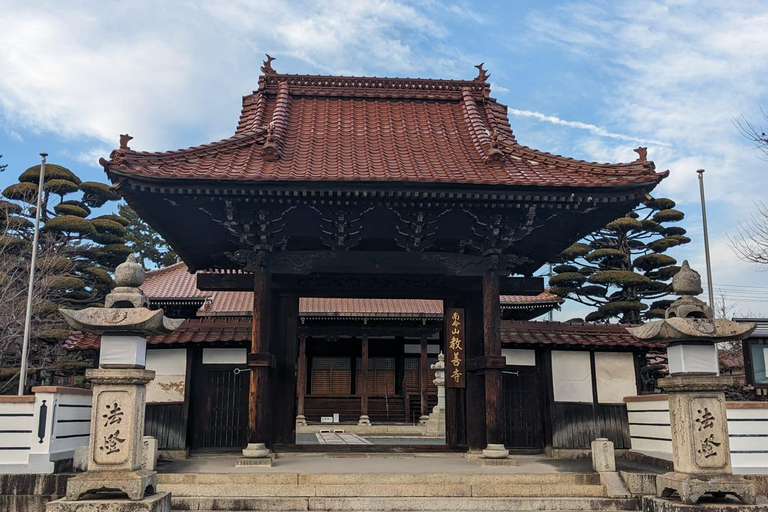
<point x="493" y="363"/>
<point x="364" y="420"/>
<point x="301" y="384"/>
<point x="424" y="380"/>
<point x="260" y="360"/>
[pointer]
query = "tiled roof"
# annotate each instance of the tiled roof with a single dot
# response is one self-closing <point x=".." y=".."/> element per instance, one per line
<point x="536" y="333"/>
<point x="206" y="330"/>
<point x="312" y="306"/>
<point x="577" y="334"/>
<point x="544" y="298"/>
<point x="346" y="129"/>
<point x="175" y="283"/>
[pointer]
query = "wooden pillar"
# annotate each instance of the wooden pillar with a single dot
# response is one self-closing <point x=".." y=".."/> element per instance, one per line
<point x="493" y="363"/>
<point x="260" y="361"/>
<point x="364" y="419"/>
<point x="301" y="384"/>
<point x="424" y="380"/>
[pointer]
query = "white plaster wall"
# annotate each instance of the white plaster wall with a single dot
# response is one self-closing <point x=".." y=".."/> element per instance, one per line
<point x="571" y="376"/>
<point x="225" y="355"/>
<point x="519" y="356"/>
<point x="16" y="432"/>
<point x="616" y="377"/>
<point x="170" y="366"/>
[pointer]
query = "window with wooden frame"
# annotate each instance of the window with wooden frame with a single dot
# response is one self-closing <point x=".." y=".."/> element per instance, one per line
<point x="756" y="358"/>
<point x="412" y="375"/>
<point x="381" y="376"/>
<point x="331" y="376"/>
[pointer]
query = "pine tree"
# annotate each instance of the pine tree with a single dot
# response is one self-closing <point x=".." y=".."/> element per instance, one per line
<point x="622" y="267"/>
<point x="145" y="241"/>
<point x="76" y="255"/>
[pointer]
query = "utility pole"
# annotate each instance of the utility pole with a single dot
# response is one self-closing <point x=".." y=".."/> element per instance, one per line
<point x="31" y="290"/>
<point x="706" y="239"/>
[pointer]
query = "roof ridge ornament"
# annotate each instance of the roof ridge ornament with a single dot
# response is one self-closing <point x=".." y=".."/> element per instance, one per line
<point x="266" y="68"/>
<point x="124" y="140"/>
<point x="642" y="154"/>
<point x="482" y="75"/>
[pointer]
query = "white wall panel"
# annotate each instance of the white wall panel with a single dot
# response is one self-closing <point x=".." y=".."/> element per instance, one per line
<point x="225" y="355"/>
<point x="519" y="356"/>
<point x="170" y="366"/>
<point x="615" y="376"/>
<point x="571" y="376"/>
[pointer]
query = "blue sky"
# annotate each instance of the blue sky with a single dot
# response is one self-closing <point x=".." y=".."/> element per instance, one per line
<point x="590" y="80"/>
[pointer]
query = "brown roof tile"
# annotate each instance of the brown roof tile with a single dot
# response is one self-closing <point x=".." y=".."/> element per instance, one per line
<point x="576" y="334"/>
<point x="351" y="129"/>
<point x="205" y="330"/>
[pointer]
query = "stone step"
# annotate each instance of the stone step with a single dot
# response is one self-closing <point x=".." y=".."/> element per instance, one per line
<point x="383" y="490"/>
<point x="413" y="504"/>
<point x="346" y="479"/>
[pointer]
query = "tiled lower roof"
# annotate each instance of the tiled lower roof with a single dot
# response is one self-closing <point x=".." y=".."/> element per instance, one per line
<point x="174" y="284"/>
<point x="223" y="330"/>
<point x="204" y="330"/>
<point x="574" y="334"/>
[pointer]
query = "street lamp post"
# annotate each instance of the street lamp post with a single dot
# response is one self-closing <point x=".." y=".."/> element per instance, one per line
<point x="706" y="239"/>
<point x="31" y="290"/>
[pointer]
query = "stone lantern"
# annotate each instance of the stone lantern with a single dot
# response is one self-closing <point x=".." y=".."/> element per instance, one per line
<point x="119" y="397"/>
<point x="435" y="424"/>
<point x="700" y="448"/>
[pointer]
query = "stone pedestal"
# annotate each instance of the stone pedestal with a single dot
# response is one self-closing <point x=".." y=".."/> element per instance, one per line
<point x="255" y="454"/>
<point x="495" y="451"/>
<point x="117" y="429"/>
<point x="120" y="460"/>
<point x="700" y="448"/>
<point x="301" y="421"/>
<point x="364" y="421"/>
<point x="160" y="502"/>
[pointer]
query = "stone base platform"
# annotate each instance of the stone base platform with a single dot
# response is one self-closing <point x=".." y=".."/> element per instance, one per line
<point x="246" y="462"/>
<point x="691" y="488"/>
<point x="654" y="504"/>
<point x="160" y="502"/>
<point x="133" y="483"/>
<point x="509" y="461"/>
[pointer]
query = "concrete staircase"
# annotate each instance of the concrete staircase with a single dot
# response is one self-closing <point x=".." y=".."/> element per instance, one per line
<point x="390" y="492"/>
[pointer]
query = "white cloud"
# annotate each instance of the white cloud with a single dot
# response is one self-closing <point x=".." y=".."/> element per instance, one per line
<point x="601" y="132"/>
<point x="99" y="69"/>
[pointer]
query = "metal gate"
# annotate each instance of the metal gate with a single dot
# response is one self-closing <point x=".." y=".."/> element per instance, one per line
<point x="219" y="416"/>
<point x="523" y="423"/>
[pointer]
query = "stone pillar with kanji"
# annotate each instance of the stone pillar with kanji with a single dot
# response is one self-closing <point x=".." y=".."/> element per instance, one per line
<point x="700" y="448"/>
<point x="119" y="400"/>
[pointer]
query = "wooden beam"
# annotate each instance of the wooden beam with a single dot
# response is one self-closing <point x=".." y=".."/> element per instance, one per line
<point x="425" y="286"/>
<point x="258" y="391"/>
<point x="302" y="377"/>
<point x="364" y="380"/>
<point x="494" y="405"/>
<point x="367" y="262"/>
<point x="424" y="381"/>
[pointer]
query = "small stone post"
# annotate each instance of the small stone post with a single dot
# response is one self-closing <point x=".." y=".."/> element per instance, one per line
<point x="700" y="448"/>
<point x="116" y="449"/>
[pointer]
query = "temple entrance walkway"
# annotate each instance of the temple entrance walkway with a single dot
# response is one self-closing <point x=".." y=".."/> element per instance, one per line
<point x="390" y="463"/>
